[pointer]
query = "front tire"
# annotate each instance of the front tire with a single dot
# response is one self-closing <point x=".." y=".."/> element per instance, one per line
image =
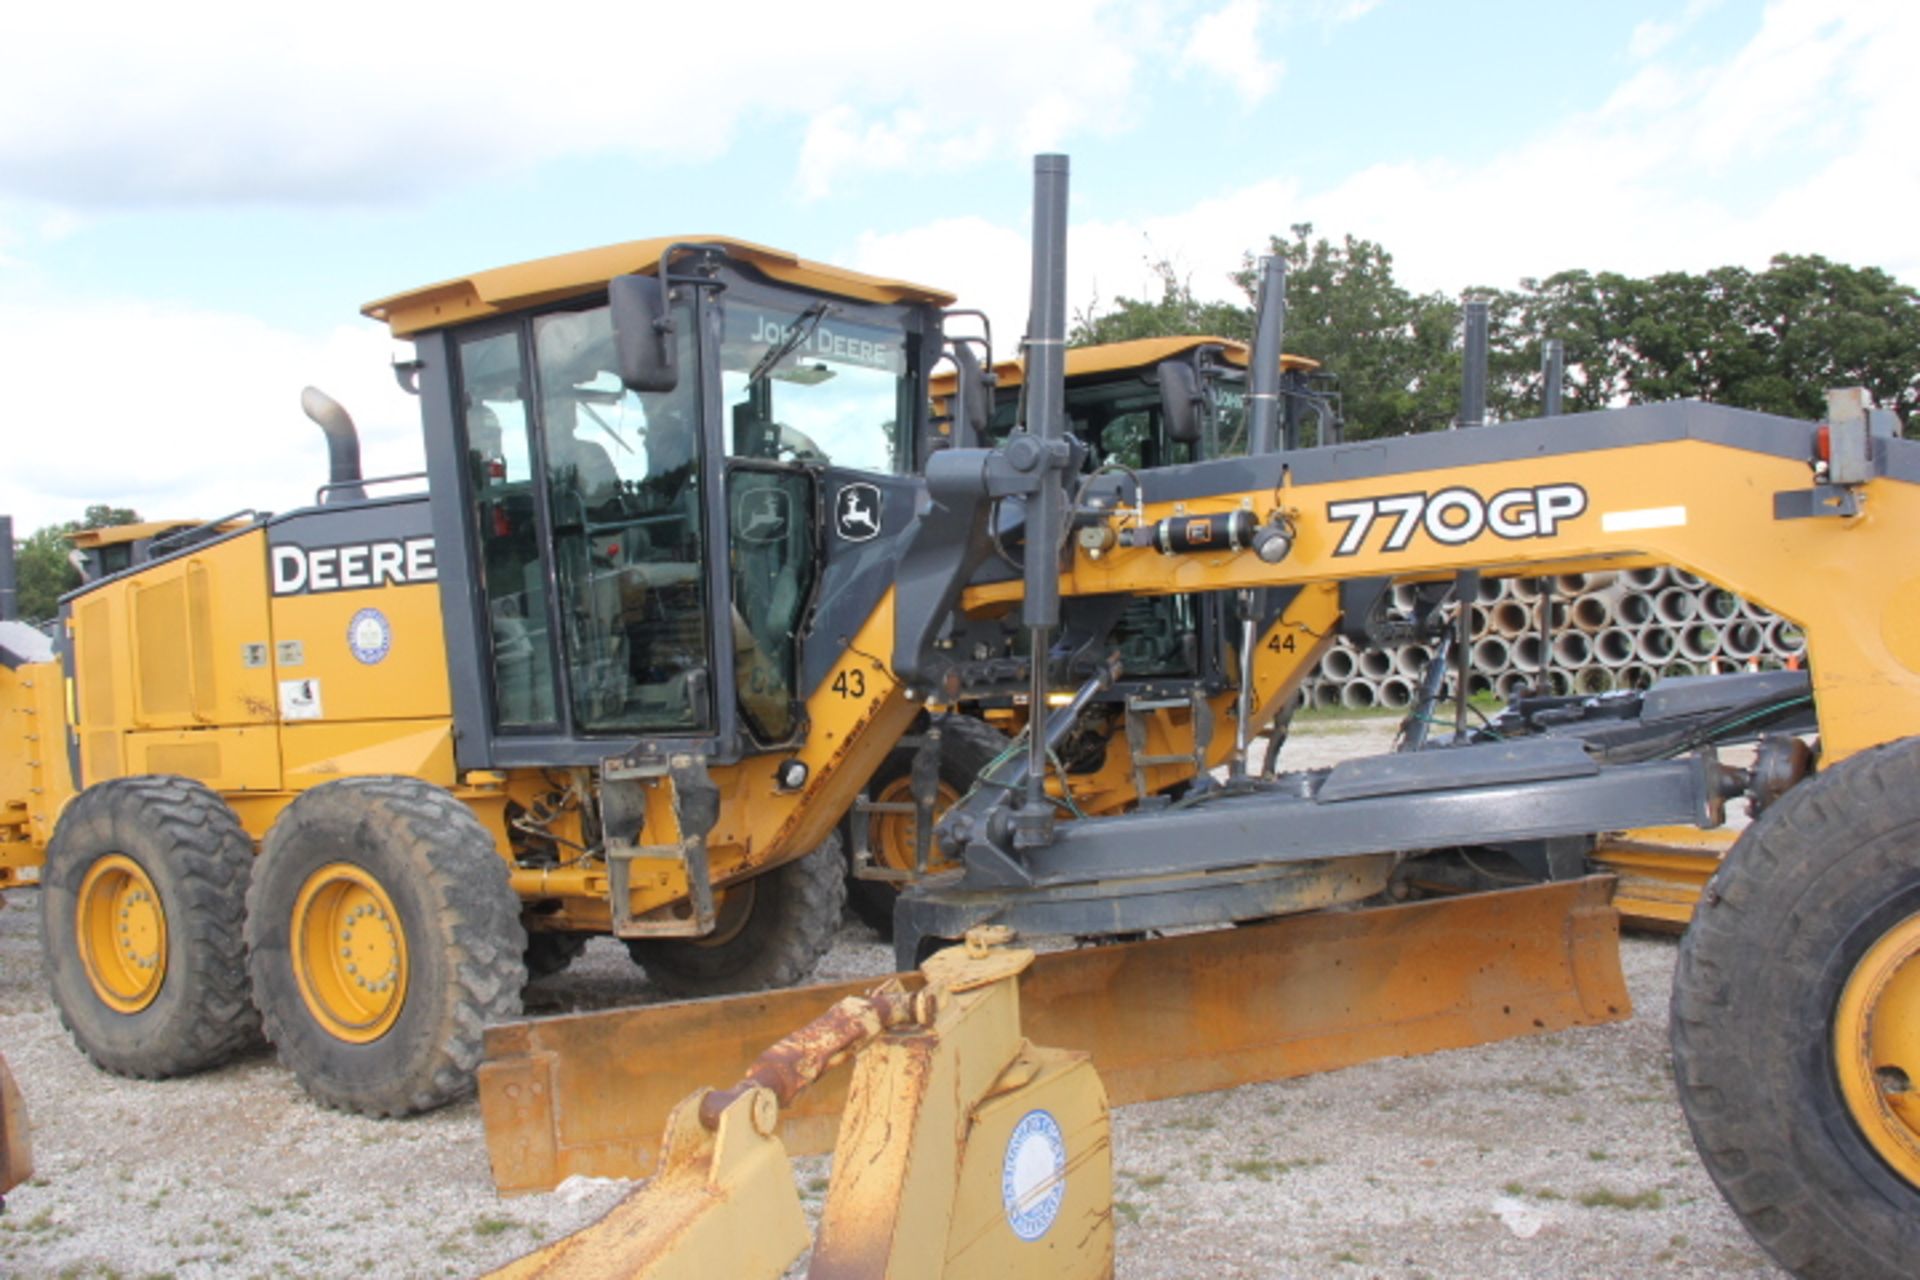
<point x="1796" y="1021"/>
<point x="771" y="932"/>
<point x="141" y="908"/>
<point x="384" y="937"/>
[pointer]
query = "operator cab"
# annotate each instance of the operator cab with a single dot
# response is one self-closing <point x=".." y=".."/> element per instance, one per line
<point x="1161" y="402"/>
<point x="642" y="566"/>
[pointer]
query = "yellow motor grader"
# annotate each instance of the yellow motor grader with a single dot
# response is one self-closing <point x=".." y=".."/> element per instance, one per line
<point x="657" y="707"/>
<point x="695" y="556"/>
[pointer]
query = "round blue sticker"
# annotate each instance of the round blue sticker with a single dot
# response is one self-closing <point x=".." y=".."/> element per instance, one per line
<point x="369" y="635"/>
<point x="1033" y="1179"/>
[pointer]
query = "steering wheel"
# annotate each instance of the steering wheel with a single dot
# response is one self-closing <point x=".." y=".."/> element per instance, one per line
<point x="795" y="445"/>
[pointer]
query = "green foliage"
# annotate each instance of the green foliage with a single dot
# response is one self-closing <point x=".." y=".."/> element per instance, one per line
<point x="44" y="573"/>
<point x="1773" y="340"/>
<point x="1175" y="312"/>
<point x="1387" y="346"/>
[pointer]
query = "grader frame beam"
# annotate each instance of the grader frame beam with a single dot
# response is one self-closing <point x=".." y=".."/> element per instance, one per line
<point x="1628" y="487"/>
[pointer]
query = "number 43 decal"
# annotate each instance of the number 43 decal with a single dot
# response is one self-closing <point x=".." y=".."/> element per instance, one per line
<point x="851" y="683"/>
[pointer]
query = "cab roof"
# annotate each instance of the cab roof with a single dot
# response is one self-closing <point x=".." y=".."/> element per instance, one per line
<point x="1138" y="353"/>
<point x="113" y="534"/>
<point x="526" y="284"/>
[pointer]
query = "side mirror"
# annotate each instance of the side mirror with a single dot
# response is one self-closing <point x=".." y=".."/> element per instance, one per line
<point x="1180" y="401"/>
<point x="972" y="405"/>
<point x="643" y="333"/>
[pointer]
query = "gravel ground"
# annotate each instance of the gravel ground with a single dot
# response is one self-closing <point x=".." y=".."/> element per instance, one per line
<point x="1558" y="1156"/>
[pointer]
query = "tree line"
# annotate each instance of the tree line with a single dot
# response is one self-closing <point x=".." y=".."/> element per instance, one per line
<point x="1772" y="340"/>
<point x="44" y="571"/>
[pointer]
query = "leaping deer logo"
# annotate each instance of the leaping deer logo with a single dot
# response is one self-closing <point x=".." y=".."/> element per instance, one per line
<point x="857" y="512"/>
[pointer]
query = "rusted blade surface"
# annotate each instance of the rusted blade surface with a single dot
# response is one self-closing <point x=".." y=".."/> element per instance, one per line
<point x="16" y="1149"/>
<point x="589" y="1093"/>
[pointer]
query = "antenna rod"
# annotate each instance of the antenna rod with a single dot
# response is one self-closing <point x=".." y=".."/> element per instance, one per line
<point x="1553" y="373"/>
<point x="1473" y="379"/>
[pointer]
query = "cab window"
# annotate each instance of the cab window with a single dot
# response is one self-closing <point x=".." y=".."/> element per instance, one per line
<point x="812" y="383"/>
<point x="623" y="490"/>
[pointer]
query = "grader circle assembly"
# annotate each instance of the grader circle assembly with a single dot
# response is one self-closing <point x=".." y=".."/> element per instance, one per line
<point x="705" y="544"/>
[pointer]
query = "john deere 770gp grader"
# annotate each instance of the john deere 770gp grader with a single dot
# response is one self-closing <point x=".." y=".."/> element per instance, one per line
<point x="695" y="555"/>
<point x="563" y="692"/>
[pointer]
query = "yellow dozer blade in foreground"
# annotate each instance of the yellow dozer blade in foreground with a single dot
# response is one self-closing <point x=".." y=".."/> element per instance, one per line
<point x="16" y="1146"/>
<point x="590" y="1093"/>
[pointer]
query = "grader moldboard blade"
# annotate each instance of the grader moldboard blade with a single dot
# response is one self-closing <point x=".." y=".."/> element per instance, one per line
<point x="590" y="1093"/>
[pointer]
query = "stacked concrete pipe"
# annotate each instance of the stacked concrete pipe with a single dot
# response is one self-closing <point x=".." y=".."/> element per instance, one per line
<point x="1608" y="632"/>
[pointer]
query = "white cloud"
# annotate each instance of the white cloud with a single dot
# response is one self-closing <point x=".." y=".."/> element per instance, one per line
<point x="1651" y="37"/>
<point x="1644" y="183"/>
<point x="1344" y="11"/>
<point x="1071" y="69"/>
<point x="1225" y="44"/>
<point x="990" y="262"/>
<point x="840" y="140"/>
<point x="184" y="413"/>
<point x="991" y="259"/>
<point x="108" y="104"/>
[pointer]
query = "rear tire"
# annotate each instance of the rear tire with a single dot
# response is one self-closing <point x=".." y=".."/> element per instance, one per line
<point x="967" y="747"/>
<point x="384" y="937"/>
<point x="1791" y="1103"/>
<point x="786" y="925"/>
<point x="141" y="908"/>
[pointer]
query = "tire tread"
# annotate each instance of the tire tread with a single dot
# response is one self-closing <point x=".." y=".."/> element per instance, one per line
<point x="485" y="966"/>
<point x="209" y="858"/>
<point x="1735" y="1037"/>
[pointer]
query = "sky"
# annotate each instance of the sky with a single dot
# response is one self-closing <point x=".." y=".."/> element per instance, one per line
<point x="196" y="199"/>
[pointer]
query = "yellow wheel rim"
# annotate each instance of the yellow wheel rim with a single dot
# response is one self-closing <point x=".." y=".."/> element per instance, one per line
<point x="1876" y="1047"/>
<point x="891" y="834"/>
<point x="122" y="928"/>
<point x="349" y="953"/>
<point x="732" y="909"/>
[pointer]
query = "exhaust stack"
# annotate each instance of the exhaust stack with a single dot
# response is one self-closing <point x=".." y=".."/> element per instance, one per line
<point x="1263" y="382"/>
<point x="343" y="446"/>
